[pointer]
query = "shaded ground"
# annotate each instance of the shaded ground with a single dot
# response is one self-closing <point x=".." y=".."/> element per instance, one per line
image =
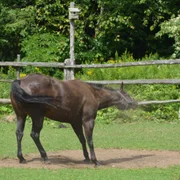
<point x="114" y="158"/>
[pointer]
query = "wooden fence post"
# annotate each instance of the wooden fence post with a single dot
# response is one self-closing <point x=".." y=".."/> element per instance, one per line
<point x="18" y="69"/>
<point x="72" y="29"/>
<point x="68" y="73"/>
<point x="73" y="14"/>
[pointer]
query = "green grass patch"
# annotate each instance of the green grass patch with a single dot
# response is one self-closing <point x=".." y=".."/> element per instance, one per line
<point x="172" y="173"/>
<point x="139" y="135"/>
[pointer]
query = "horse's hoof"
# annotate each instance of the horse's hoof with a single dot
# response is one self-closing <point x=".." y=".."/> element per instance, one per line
<point x="46" y="161"/>
<point x="22" y="161"/>
<point x="97" y="164"/>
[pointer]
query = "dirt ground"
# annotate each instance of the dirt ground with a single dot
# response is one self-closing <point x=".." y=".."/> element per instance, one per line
<point x="111" y="158"/>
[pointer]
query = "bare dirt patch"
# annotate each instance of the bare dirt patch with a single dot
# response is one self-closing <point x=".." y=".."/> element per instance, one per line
<point x="113" y="158"/>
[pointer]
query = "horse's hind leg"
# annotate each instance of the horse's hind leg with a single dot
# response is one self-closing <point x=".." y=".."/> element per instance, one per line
<point x="19" y="135"/>
<point x="88" y="128"/>
<point x="79" y="132"/>
<point x="37" y="124"/>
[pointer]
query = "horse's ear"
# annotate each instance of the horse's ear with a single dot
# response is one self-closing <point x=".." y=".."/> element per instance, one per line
<point x="121" y="88"/>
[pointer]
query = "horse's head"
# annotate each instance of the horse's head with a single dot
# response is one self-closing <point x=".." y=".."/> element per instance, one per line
<point x="125" y="100"/>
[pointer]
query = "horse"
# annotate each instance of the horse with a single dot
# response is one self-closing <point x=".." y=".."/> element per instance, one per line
<point x="73" y="101"/>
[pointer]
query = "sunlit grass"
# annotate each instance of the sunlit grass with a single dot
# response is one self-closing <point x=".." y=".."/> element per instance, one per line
<point x="172" y="173"/>
<point x="139" y="135"/>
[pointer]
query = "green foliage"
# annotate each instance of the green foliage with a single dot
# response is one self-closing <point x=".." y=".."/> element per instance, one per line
<point x="167" y="112"/>
<point x="15" y="24"/>
<point x="104" y="27"/>
<point x="107" y="116"/>
<point x="153" y="71"/>
<point x="172" y="28"/>
<point x="5" y="109"/>
<point x="46" y="47"/>
<point x="5" y="88"/>
<point x="52" y="16"/>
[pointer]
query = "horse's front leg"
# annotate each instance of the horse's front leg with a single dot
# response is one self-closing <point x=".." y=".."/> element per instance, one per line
<point x="37" y="124"/>
<point x="19" y="136"/>
<point x="88" y="128"/>
<point x="77" y="127"/>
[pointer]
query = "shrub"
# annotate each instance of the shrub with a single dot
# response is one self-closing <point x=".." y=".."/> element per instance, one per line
<point x="167" y="112"/>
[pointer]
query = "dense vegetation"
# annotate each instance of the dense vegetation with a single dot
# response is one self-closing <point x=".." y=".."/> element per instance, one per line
<point x="107" y="31"/>
<point x="39" y="30"/>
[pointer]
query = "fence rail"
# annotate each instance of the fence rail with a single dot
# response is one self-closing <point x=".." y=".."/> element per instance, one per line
<point x="139" y="81"/>
<point x="127" y="64"/>
<point x="8" y="101"/>
<point x="5" y="101"/>
<point x="35" y="64"/>
<point x="159" y="102"/>
<point x="68" y="68"/>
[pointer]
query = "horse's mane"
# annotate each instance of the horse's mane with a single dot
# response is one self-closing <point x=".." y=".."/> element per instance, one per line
<point x="97" y="86"/>
<point x="101" y="86"/>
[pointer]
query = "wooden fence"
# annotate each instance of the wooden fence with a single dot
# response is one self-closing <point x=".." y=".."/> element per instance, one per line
<point x="68" y="69"/>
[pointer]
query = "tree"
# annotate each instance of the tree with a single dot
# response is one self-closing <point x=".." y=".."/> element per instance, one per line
<point x="132" y="25"/>
<point x="104" y="28"/>
<point x="49" y="41"/>
<point x="15" y="24"/>
<point x="172" y="28"/>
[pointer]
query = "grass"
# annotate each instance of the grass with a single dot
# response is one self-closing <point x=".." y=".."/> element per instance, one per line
<point x="172" y="173"/>
<point x="139" y="135"/>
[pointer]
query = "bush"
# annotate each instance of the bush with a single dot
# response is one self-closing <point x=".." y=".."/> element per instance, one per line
<point x="167" y="112"/>
<point x="171" y="28"/>
<point x="6" y="74"/>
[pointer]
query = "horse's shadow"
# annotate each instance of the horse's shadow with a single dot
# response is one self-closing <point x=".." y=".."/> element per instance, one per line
<point x="64" y="160"/>
<point x="121" y="160"/>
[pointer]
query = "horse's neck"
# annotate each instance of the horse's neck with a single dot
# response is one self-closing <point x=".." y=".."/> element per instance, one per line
<point x="105" y="98"/>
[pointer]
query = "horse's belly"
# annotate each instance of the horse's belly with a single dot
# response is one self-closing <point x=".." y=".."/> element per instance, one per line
<point x="62" y="116"/>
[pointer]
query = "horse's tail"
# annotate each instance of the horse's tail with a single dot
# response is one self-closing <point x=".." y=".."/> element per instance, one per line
<point x="23" y="97"/>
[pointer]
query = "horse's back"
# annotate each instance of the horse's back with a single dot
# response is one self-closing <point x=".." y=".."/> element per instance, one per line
<point x="38" y="84"/>
<point x="61" y="99"/>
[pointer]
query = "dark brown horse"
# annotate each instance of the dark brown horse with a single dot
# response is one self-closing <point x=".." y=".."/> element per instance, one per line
<point x="73" y="102"/>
